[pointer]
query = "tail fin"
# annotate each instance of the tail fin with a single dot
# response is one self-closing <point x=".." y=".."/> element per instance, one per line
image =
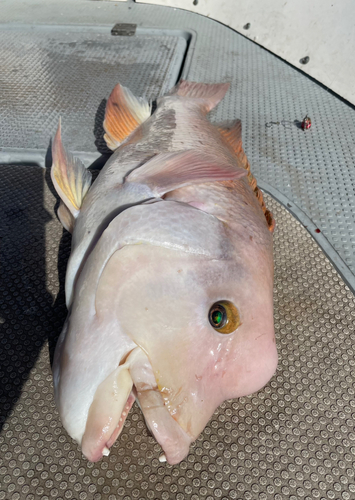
<point x="208" y="94"/>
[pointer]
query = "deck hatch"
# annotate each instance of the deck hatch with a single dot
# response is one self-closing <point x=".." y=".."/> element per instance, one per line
<point x="53" y="71"/>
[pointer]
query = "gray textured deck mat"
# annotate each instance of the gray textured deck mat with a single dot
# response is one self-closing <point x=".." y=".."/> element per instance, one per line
<point x="293" y="439"/>
<point x="51" y="72"/>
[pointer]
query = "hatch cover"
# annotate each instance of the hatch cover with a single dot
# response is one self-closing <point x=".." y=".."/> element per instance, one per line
<point x="69" y="72"/>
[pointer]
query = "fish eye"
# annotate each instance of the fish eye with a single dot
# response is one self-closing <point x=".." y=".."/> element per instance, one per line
<point x="224" y="317"/>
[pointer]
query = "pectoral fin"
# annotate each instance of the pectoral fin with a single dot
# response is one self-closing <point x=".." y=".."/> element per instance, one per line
<point x="124" y="113"/>
<point x="69" y="176"/>
<point x="168" y="171"/>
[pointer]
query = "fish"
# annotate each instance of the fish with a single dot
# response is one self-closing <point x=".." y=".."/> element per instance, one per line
<point x="169" y="284"/>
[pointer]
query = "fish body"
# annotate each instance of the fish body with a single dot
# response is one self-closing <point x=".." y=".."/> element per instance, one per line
<point x="170" y="280"/>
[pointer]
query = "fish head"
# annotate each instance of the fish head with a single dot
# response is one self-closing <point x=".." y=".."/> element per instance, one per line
<point x="180" y="319"/>
<point x="171" y="304"/>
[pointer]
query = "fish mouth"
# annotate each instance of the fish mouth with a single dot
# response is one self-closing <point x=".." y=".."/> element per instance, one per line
<point x="174" y="440"/>
<point x="113" y="400"/>
<point x="165" y="429"/>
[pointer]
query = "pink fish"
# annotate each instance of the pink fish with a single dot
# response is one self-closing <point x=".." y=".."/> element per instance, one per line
<point x="169" y="284"/>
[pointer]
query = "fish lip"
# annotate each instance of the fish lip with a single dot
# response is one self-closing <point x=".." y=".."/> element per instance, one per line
<point x="166" y="429"/>
<point x="130" y="400"/>
<point x="105" y="423"/>
<point x="164" y="426"/>
<point x="94" y="457"/>
<point x="104" y="449"/>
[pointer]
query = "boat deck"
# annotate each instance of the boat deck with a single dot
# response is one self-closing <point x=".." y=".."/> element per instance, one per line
<point x="293" y="439"/>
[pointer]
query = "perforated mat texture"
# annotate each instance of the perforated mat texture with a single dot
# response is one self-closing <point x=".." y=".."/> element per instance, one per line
<point x="52" y="72"/>
<point x="293" y="439"/>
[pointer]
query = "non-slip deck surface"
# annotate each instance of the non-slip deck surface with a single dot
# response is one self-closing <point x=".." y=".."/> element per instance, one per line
<point x="293" y="439"/>
<point x="52" y="72"/>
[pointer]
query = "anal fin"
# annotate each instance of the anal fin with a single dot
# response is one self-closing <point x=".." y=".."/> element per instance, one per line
<point x="232" y="136"/>
<point x="124" y="113"/>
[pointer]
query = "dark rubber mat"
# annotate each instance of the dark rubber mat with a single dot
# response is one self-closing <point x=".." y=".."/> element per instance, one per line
<point x="293" y="439"/>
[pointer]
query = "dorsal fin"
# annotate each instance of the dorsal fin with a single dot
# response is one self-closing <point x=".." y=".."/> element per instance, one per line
<point x="207" y="95"/>
<point x="232" y="136"/>
<point x="124" y="113"/>
<point x="70" y="178"/>
<point x="168" y="171"/>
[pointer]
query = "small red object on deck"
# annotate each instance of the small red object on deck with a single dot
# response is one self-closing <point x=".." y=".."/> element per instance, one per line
<point x="306" y="123"/>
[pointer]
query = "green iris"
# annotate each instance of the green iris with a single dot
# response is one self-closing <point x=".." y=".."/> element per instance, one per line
<point x="217" y="318"/>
